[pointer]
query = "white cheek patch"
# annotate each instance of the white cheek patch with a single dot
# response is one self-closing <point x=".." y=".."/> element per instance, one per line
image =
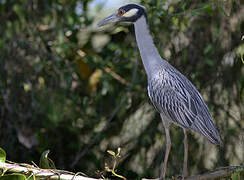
<point x="130" y="13"/>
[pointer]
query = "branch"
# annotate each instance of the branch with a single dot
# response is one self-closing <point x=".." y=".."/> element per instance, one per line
<point x="221" y="173"/>
<point x="116" y="76"/>
<point x="54" y="174"/>
<point x="31" y="170"/>
<point x="212" y="175"/>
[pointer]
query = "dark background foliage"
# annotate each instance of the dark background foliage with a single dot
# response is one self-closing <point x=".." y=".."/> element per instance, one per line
<point x="77" y="90"/>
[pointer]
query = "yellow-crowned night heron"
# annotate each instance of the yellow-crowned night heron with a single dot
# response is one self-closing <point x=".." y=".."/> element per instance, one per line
<point x="172" y="94"/>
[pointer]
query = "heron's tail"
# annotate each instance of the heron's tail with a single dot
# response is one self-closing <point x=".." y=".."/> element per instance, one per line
<point x="208" y="130"/>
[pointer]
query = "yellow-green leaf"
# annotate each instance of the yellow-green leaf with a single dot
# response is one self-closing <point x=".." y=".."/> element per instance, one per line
<point x="111" y="152"/>
<point x="2" y="155"/>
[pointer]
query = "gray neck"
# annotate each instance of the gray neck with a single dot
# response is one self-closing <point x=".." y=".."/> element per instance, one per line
<point x="149" y="53"/>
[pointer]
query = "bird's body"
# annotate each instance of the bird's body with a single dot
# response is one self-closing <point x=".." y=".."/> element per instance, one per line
<point x="172" y="94"/>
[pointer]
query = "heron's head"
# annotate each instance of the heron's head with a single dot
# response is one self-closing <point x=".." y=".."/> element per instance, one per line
<point x="127" y="13"/>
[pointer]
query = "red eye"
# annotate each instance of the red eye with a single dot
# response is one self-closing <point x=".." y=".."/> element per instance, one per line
<point x="121" y="12"/>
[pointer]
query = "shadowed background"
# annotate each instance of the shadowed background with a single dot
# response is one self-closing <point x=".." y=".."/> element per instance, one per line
<point x="77" y="90"/>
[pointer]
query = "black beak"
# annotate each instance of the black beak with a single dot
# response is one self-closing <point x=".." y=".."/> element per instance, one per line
<point x="108" y="20"/>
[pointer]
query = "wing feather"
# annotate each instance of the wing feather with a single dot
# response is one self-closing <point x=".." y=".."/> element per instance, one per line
<point x="174" y="95"/>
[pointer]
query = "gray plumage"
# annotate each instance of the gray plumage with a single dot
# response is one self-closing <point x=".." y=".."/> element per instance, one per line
<point x="172" y="94"/>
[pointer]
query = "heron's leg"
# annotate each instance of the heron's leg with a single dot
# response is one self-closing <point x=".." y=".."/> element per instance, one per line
<point x="168" y="147"/>
<point x="185" y="153"/>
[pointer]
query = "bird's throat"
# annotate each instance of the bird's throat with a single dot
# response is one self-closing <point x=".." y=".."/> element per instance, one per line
<point x="148" y="51"/>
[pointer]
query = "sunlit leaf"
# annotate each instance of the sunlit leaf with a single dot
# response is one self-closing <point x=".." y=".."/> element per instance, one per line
<point x="111" y="152"/>
<point x="27" y="87"/>
<point x="2" y="155"/>
<point x="119" y="150"/>
<point x="94" y="80"/>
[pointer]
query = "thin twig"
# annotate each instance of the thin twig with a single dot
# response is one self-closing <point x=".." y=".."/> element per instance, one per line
<point x="116" y="76"/>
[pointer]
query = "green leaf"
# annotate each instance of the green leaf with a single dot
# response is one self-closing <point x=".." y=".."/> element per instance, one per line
<point x="183" y="6"/>
<point x="210" y="62"/>
<point x="209" y="10"/>
<point x="195" y="12"/>
<point x="208" y="49"/>
<point x="46" y="162"/>
<point x="236" y="176"/>
<point x="2" y="155"/>
<point x="14" y="176"/>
